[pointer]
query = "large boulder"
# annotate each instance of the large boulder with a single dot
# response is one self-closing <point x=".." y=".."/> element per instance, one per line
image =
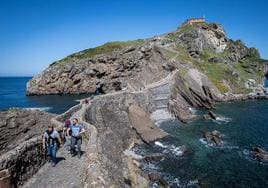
<point x="144" y="126"/>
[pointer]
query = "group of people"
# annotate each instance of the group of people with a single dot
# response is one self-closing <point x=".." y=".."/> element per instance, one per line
<point x="53" y="140"/>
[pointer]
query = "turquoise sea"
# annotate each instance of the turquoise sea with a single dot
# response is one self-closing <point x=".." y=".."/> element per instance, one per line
<point x="244" y="124"/>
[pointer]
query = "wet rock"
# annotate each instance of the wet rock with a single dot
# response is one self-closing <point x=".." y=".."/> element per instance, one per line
<point x="214" y="137"/>
<point x="121" y="119"/>
<point x="156" y="177"/>
<point x="144" y="126"/>
<point x="260" y="154"/>
<point x="192" y="89"/>
<point x="210" y="115"/>
<point x="154" y="157"/>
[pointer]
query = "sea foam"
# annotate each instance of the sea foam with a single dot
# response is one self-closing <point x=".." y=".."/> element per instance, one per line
<point x="39" y="108"/>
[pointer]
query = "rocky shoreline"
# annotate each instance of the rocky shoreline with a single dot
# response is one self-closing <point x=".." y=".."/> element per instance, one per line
<point x="174" y="72"/>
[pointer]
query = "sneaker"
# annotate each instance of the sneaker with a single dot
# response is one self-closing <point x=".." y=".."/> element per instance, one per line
<point x="54" y="164"/>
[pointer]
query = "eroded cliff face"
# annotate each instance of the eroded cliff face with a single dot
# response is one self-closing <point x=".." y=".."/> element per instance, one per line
<point x="134" y="64"/>
<point x="121" y="120"/>
<point x="21" y="152"/>
<point x="18" y="125"/>
<point x="192" y="89"/>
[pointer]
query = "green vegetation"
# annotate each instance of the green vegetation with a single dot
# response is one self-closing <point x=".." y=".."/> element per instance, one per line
<point x="223" y="75"/>
<point x="103" y="49"/>
<point x="183" y="29"/>
<point x="235" y="74"/>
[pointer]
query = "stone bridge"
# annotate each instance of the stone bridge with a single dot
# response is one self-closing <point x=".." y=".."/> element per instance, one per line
<point x="69" y="172"/>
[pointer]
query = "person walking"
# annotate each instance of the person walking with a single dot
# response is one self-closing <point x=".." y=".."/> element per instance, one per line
<point x="66" y="134"/>
<point x="51" y="142"/>
<point x="76" y="137"/>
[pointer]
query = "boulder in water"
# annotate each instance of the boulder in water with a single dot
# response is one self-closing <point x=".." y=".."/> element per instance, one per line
<point x="260" y="154"/>
<point x="210" y="115"/>
<point x="214" y="137"/>
<point x="154" y="157"/>
<point x="156" y="177"/>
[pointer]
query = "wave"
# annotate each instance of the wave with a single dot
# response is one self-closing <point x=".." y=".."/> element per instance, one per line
<point x="176" y="182"/>
<point x="248" y="155"/>
<point x="193" y="110"/>
<point x="160" y="144"/>
<point x="178" y="151"/>
<point x="46" y="109"/>
<point x="210" y="144"/>
<point x="206" y="143"/>
<point x="222" y="120"/>
<point x="132" y="154"/>
<point x="161" y="115"/>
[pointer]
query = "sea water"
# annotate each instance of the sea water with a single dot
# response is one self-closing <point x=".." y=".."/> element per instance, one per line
<point x="13" y="90"/>
<point x="244" y="124"/>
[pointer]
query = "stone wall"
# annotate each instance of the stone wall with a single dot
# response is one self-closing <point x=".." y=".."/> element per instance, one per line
<point x="23" y="161"/>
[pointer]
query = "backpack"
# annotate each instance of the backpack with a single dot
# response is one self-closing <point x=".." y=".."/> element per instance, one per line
<point x="67" y="123"/>
<point x="52" y="141"/>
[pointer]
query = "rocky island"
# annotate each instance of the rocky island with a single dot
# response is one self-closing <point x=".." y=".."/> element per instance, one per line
<point x="196" y="65"/>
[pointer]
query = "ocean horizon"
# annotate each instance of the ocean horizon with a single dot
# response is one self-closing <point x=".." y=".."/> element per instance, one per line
<point x="13" y="95"/>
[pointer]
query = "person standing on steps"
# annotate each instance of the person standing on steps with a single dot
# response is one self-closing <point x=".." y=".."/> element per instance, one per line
<point x="76" y="137"/>
<point x="51" y="142"/>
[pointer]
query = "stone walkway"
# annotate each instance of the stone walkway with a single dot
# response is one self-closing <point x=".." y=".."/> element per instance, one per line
<point x="66" y="174"/>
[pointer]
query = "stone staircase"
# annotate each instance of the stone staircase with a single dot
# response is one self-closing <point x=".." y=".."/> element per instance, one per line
<point x="160" y="96"/>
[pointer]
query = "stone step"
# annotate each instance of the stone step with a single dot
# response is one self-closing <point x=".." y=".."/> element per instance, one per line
<point x="160" y="98"/>
<point x="161" y="107"/>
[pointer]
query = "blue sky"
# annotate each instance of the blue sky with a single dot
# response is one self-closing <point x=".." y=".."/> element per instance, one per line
<point x="34" y="33"/>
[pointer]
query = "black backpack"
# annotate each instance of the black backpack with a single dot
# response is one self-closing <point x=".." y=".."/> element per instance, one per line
<point x="52" y="141"/>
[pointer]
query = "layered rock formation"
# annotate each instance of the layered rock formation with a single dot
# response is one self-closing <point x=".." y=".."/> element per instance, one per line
<point x="132" y="65"/>
<point x="107" y="73"/>
<point x="18" y="125"/>
<point x="21" y="152"/>
<point x="121" y="120"/>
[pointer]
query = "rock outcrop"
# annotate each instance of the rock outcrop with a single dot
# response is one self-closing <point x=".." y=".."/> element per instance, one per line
<point x="260" y="154"/>
<point x="191" y="89"/>
<point x="214" y="137"/>
<point x="21" y="152"/>
<point x="18" y="125"/>
<point x="141" y="122"/>
<point x="121" y="120"/>
<point x="132" y="65"/>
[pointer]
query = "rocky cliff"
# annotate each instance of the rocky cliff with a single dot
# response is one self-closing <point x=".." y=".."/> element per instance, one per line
<point x="134" y="64"/>
<point x="21" y="153"/>
<point x="121" y="120"/>
<point x="18" y="125"/>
